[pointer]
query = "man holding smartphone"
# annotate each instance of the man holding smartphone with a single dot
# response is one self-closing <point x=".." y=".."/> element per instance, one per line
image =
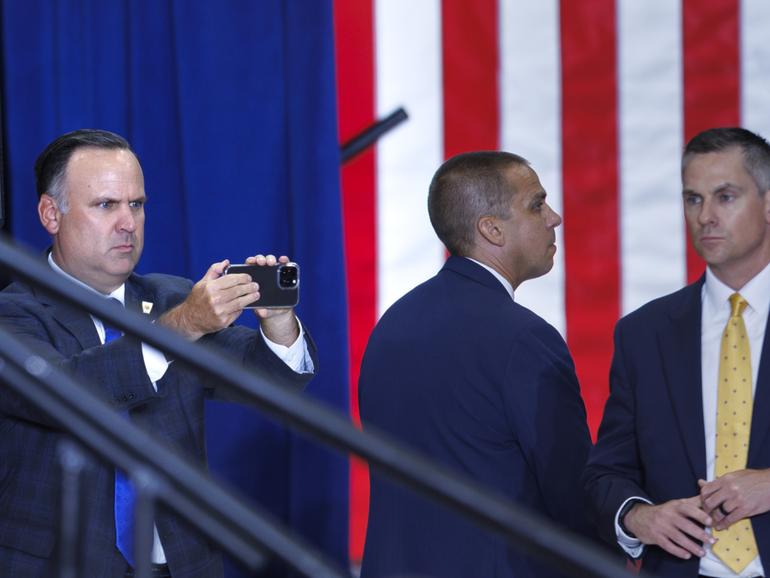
<point x="91" y="202"/>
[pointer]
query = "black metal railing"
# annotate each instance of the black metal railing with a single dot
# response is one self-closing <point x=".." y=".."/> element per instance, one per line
<point x="535" y="535"/>
<point x="158" y="474"/>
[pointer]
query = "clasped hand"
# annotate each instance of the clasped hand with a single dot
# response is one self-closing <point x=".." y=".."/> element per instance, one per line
<point x="679" y="526"/>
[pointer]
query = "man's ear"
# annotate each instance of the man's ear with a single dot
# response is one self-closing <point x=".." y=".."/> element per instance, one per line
<point x="49" y="213"/>
<point x="489" y="228"/>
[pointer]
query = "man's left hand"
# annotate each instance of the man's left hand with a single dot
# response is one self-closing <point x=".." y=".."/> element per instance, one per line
<point x="735" y="496"/>
<point x="278" y="325"/>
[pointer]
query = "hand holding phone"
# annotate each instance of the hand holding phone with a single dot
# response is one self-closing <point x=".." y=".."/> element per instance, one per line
<point x="278" y="284"/>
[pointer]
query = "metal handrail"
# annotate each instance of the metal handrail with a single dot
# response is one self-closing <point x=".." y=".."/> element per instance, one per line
<point x="525" y="530"/>
<point x="160" y="472"/>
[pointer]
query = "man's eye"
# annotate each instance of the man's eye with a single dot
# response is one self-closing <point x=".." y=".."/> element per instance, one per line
<point x="105" y="204"/>
<point x="136" y="204"/>
<point x="726" y="197"/>
<point x="692" y="199"/>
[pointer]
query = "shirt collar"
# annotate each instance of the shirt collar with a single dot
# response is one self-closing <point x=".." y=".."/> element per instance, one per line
<point x="756" y="292"/>
<point x="503" y="280"/>
<point x="119" y="293"/>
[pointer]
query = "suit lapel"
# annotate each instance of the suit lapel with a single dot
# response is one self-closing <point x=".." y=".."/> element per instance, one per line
<point x="139" y="299"/>
<point x="680" y="350"/>
<point x="132" y="297"/>
<point x="760" y="426"/>
<point x="75" y="321"/>
<point x="79" y="323"/>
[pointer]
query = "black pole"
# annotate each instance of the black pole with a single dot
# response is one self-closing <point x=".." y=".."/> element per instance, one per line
<point x="368" y="136"/>
<point x="187" y="489"/>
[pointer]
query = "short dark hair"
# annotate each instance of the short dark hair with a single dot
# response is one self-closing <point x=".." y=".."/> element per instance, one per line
<point x="755" y="150"/>
<point x="464" y="189"/>
<point x="51" y="164"/>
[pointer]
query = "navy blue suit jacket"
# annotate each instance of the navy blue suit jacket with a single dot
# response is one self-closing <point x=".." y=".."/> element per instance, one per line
<point x="651" y="440"/>
<point x="473" y="380"/>
<point x="29" y="475"/>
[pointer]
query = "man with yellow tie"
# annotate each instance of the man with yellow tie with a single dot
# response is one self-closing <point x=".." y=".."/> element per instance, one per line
<point x="680" y="474"/>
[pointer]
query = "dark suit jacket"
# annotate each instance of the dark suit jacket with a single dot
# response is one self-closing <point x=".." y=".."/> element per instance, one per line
<point x="473" y="380"/>
<point x="651" y="441"/>
<point x="29" y="476"/>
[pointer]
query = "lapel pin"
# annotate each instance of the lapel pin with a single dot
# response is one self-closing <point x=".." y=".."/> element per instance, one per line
<point x="146" y="307"/>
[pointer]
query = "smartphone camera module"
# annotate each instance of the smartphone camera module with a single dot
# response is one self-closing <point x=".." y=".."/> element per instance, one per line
<point x="288" y="276"/>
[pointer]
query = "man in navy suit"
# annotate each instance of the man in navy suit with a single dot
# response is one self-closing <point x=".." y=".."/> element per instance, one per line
<point x="91" y="202"/>
<point x="653" y="474"/>
<point x="461" y="372"/>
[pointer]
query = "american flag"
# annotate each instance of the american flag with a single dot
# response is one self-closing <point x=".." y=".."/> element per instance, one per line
<point x="599" y="95"/>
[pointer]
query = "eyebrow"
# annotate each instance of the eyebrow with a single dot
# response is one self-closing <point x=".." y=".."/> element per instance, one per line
<point x="719" y="189"/>
<point x="725" y="186"/>
<point x="112" y="199"/>
<point x="103" y="198"/>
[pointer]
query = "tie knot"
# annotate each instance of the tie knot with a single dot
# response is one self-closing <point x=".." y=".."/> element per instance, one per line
<point x="737" y="305"/>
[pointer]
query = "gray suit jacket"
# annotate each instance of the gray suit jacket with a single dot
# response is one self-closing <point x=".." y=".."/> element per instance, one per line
<point x="29" y="475"/>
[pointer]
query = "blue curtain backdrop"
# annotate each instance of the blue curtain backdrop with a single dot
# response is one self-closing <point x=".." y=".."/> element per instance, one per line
<point x="230" y="106"/>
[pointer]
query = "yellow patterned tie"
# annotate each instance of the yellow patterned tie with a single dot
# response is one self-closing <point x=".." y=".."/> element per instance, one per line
<point x="736" y="546"/>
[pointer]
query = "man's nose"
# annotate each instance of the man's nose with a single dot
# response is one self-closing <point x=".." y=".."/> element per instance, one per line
<point x="126" y="220"/>
<point x="706" y="214"/>
<point x="554" y="219"/>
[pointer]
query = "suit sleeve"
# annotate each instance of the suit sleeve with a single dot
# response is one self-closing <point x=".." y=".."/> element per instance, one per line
<point x="548" y="416"/>
<point x="251" y="351"/>
<point x="614" y="471"/>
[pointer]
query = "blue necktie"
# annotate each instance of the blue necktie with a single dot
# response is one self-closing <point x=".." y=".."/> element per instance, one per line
<point x="124" y="491"/>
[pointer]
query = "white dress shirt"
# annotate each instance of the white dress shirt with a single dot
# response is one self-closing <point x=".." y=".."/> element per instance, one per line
<point x="715" y="312"/>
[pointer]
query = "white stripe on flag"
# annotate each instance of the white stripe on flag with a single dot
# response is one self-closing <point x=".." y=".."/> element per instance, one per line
<point x="653" y="256"/>
<point x="408" y="45"/>
<point x="530" y="115"/>
<point x="755" y="66"/>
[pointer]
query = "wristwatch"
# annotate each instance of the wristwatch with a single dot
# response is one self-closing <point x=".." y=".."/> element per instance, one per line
<point x="622" y="515"/>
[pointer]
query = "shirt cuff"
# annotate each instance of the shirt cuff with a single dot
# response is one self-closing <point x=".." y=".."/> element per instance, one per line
<point x="631" y="546"/>
<point x="155" y="363"/>
<point x="296" y="356"/>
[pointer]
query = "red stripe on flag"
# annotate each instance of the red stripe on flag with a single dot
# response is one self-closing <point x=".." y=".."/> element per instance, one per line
<point x="354" y="35"/>
<point x="711" y="76"/>
<point x="590" y="185"/>
<point x="470" y="67"/>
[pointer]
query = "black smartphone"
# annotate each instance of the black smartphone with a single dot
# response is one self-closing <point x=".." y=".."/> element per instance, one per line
<point x="278" y="284"/>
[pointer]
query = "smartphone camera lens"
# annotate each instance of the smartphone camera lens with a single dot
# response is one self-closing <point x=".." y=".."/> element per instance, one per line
<point x="288" y="276"/>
